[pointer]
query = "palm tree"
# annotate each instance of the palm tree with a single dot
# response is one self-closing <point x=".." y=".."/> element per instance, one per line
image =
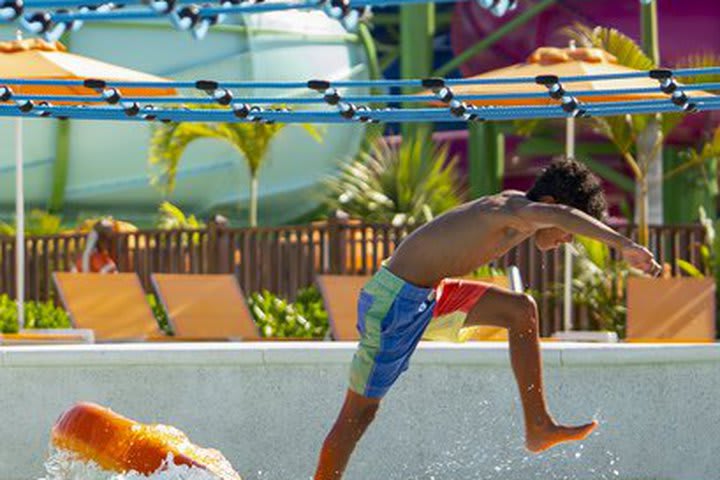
<point x="251" y="140"/>
<point x="407" y="184"/>
<point x="638" y="138"/>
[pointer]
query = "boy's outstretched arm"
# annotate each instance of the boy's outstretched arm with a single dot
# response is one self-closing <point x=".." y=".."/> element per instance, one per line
<point x="571" y="220"/>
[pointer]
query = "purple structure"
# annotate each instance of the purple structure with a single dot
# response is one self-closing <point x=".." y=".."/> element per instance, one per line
<point x="685" y="27"/>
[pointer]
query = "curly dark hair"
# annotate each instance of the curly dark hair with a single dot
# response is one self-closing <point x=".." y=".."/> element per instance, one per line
<point x="571" y="183"/>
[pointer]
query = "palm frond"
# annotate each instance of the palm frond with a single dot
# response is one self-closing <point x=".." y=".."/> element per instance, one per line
<point x="251" y="140"/>
<point x="173" y="218"/>
<point x="700" y="60"/>
<point x="624" y="48"/>
<point x="408" y="183"/>
<point x="168" y="143"/>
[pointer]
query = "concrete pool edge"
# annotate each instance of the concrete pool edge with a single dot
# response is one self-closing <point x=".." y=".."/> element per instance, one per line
<point x="314" y="353"/>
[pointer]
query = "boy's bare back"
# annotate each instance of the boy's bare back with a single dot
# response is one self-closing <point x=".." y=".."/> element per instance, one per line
<point x="463" y="239"/>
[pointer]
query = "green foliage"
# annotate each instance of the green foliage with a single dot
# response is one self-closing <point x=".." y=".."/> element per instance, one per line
<point x="37" y="222"/>
<point x="621" y="130"/>
<point x="408" y="184"/>
<point x="710" y="254"/>
<point x="699" y="60"/>
<point x="159" y="313"/>
<point x="699" y="157"/>
<point x="251" y="140"/>
<point x="598" y="285"/>
<point x="276" y="317"/>
<point x="6" y="229"/>
<point x="486" y="271"/>
<point x="689" y="269"/>
<point x="613" y="41"/>
<point x="172" y="217"/>
<point x="39" y="315"/>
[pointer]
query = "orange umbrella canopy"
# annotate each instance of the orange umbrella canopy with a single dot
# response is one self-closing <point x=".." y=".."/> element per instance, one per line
<point x="564" y="62"/>
<point x="38" y="59"/>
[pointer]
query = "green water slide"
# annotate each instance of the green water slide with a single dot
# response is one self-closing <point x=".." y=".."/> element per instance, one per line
<point x="85" y="168"/>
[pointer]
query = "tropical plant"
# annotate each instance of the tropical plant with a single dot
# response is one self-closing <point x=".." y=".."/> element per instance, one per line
<point x="252" y="140"/>
<point x="37" y="315"/>
<point x="277" y="317"/>
<point x="487" y="271"/>
<point x="406" y="184"/>
<point x="691" y="176"/>
<point x="37" y="222"/>
<point x="638" y="138"/>
<point x="598" y="285"/>
<point x="172" y="217"/>
<point x="710" y="256"/>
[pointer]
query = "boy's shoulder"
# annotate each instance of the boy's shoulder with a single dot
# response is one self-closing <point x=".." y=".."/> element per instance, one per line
<point x="505" y="204"/>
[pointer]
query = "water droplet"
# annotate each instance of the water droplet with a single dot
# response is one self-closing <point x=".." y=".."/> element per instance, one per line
<point x="616" y="473"/>
<point x="497" y="469"/>
<point x="578" y="455"/>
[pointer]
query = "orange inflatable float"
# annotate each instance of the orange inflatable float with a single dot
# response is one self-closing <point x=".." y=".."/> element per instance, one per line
<point x="118" y="444"/>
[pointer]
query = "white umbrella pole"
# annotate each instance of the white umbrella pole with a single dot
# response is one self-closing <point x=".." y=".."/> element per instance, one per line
<point x="567" y="291"/>
<point x="19" y="224"/>
<point x="19" y="220"/>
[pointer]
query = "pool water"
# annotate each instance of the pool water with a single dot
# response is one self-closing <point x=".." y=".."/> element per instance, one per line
<point x="63" y="465"/>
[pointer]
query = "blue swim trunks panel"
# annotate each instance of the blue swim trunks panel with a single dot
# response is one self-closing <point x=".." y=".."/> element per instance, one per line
<point x="392" y="317"/>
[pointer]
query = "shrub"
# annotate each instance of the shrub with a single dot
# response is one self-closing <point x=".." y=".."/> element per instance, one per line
<point x="598" y="285"/>
<point x="406" y="184"/>
<point x="37" y="315"/>
<point x="277" y="317"/>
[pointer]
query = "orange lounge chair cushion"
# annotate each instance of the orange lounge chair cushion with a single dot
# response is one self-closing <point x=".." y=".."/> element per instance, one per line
<point x="205" y="306"/>
<point x="113" y="306"/>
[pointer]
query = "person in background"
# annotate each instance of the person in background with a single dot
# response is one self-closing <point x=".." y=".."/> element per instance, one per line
<point x="97" y="256"/>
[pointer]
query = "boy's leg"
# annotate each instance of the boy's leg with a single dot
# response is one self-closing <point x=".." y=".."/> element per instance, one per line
<point x="356" y="414"/>
<point x="518" y="313"/>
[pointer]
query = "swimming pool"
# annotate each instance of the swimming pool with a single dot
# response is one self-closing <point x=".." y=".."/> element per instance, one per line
<point x="454" y="415"/>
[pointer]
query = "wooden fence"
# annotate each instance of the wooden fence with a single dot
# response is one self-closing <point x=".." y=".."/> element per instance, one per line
<point x="285" y="259"/>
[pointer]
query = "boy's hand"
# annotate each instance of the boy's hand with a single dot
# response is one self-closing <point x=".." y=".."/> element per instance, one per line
<point x="640" y="257"/>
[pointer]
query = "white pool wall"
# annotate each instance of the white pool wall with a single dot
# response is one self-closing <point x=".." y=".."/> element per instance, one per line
<point x="454" y="415"/>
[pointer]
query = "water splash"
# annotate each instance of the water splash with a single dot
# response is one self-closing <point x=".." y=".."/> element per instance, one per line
<point x="64" y="465"/>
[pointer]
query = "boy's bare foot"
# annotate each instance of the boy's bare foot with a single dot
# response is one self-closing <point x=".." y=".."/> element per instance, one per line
<point x="543" y="437"/>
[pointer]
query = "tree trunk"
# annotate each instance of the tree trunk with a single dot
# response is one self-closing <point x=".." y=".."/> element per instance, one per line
<point x="641" y="211"/>
<point x="648" y="148"/>
<point x="649" y="194"/>
<point x="417" y="30"/>
<point x="253" y="200"/>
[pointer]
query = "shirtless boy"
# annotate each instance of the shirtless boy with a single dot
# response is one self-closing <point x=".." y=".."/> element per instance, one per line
<point x="396" y="305"/>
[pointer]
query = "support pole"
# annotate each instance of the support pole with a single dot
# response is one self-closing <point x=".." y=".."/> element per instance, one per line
<point x="19" y="220"/>
<point x="568" y="274"/>
<point x="651" y="197"/>
<point x="417" y="30"/>
<point x="61" y="164"/>
<point x="486" y="159"/>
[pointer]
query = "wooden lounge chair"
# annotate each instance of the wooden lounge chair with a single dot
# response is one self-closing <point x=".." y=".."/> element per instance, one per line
<point x="114" y="306"/>
<point x="205" y="307"/>
<point x="340" y="294"/>
<point x="670" y="310"/>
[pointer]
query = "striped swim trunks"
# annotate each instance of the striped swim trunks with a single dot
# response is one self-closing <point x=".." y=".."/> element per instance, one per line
<point x="393" y="315"/>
